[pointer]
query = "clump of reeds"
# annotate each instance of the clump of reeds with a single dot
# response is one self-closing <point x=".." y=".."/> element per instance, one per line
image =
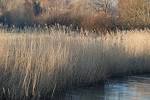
<point x="35" y="64"/>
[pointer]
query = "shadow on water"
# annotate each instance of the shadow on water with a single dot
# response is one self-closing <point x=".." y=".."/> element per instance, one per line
<point x="129" y="88"/>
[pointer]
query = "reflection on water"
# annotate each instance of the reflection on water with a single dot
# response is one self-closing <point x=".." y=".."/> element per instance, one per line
<point x="131" y="88"/>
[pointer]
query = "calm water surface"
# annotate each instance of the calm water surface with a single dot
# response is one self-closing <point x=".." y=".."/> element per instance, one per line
<point x="130" y="88"/>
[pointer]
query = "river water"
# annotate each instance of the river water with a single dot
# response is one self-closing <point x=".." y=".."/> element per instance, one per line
<point x="129" y="88"/>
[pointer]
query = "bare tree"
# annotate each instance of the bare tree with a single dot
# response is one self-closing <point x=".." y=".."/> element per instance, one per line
<point x="102" y="5"/>
<point x="135" y="13"/>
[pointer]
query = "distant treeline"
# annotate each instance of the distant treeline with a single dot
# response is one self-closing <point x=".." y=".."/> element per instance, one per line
<point x="97" y="15"/>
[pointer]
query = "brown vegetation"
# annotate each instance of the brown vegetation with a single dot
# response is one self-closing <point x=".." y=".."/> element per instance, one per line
<point x="79" y="13"/>
<point x="76" y="13"/>
<point x="134" y="14"/>
<point x="33" y="64"/>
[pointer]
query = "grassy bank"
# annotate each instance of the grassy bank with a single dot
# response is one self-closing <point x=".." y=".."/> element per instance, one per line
<point x="33" y="64"/>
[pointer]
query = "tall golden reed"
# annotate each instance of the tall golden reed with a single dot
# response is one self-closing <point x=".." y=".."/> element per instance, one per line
<point x="36" y="64"/>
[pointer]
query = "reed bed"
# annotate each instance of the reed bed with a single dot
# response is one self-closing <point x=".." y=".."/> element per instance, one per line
<point x="35" y="64"/>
